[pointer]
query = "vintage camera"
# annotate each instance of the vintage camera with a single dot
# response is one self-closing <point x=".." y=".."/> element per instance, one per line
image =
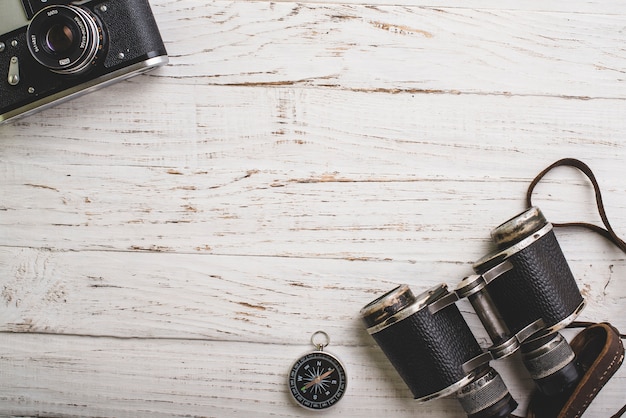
<point x="54" y="50"/>
<point x="523" y="293"/>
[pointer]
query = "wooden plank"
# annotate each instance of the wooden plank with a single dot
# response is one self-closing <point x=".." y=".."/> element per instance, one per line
<point x="76" y="376"/>
<point x="415" y="220"/>
<point x="587" y="7"/>
<point x="211" y="127"/>
<point x="288" y="177"/>
<point x="406" y="48"/>
<point x="235" y="298"/>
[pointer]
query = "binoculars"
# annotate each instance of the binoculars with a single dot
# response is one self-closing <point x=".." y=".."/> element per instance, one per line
<point x="523" y="294"/>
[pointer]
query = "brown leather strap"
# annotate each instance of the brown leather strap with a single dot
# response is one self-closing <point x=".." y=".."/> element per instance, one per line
<point x="620" y="412"/>
<point x="600" y="352"/>
<point x="608" y="233"/>
<point x="599" y="347"/>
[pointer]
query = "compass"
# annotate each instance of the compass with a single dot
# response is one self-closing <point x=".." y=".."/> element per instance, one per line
<point x="317" y="380"/>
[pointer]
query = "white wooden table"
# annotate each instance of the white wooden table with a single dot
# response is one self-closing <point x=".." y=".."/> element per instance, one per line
<point x="169" y="244"/>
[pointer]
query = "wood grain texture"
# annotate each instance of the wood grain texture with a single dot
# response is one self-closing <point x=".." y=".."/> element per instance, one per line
<point x="169" y="244"/>
<point x="397" y="48"/>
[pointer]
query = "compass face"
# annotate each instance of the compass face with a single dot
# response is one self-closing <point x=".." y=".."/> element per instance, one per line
<point x="317" y="380"/>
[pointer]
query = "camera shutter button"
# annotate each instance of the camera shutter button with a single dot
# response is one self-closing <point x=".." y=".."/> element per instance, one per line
<point x="14" y="72"/>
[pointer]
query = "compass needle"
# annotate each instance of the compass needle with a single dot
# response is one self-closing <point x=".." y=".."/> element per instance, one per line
<point x="318" y="380"/>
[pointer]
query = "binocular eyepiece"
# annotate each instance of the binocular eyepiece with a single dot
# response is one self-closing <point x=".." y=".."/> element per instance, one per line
<point x="523" y="293"/>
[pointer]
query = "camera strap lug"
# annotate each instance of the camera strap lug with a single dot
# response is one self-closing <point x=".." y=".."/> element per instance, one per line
<point x="14" y="72"/>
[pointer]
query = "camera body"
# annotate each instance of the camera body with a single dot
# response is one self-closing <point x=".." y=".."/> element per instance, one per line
<point x="55" y="50"/>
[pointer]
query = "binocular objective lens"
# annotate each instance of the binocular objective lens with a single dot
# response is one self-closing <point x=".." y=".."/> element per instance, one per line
<point x="59" y="38"/>
<point x="487" y="396"/>
<point x="551" y="363"/>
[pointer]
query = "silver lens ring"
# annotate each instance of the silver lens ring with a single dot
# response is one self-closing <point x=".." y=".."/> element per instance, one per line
<point x="397" y="305"/>
<point x="518" y="227"/>
<point x="482" y="393"/>
<point x="79" y="43"/>
<point x="491" y="260"/>
<point x="548" y="358"/>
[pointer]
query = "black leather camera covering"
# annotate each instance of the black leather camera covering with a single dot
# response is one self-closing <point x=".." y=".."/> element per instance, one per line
<point x="131" y="29"/>
<point x="540" y="285"/>
<point x="428" y="351"/>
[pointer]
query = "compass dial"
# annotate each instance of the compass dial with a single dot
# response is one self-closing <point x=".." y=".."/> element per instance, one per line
<point x="317" y="380"/>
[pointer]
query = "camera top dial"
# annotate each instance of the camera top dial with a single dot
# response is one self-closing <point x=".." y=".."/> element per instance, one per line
<point x="65" y="38"/>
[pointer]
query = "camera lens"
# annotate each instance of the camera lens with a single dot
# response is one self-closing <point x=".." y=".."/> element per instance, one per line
<point x="59" y="38"/>
<point x="65" y="38"/>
